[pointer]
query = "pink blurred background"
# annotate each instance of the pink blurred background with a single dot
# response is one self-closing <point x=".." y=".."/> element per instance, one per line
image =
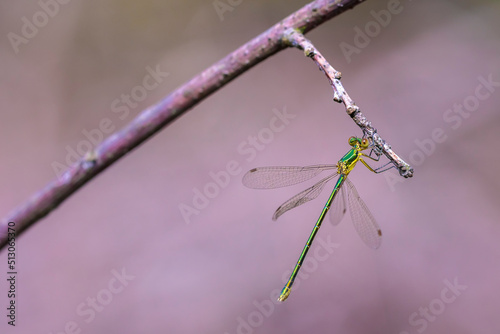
<point x="216" y="273"/>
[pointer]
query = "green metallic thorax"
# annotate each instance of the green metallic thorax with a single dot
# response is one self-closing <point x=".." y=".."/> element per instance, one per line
<point x="348" y="161"/>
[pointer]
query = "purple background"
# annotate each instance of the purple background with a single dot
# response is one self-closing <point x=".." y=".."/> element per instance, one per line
<point x="208" y="276"/>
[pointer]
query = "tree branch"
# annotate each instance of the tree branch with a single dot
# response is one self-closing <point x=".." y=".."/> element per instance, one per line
<point x="298" y="40"/>
<point x="153" y="119"/>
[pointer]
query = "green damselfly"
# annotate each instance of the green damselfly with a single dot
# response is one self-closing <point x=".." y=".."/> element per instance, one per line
<point x="365" y="224"/>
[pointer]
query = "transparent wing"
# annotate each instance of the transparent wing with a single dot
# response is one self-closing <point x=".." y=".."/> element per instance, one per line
<point x="275" y="177"/>
<point x="339" y="207"/>
<point x="303" y="197"/>
<point x="363" y="221"/>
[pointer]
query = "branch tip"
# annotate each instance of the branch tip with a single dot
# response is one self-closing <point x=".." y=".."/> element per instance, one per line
<point x="298" y="40"/>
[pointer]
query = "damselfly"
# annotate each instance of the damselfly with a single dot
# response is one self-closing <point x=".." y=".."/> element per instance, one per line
<point x="365" y="224"/>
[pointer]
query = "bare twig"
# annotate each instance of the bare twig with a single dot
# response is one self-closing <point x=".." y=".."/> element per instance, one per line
<point x="153" y="119"/>
<point x="295" y="38"/>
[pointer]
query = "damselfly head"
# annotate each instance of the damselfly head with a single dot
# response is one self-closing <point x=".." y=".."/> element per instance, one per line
<point x="361" y="143"/>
